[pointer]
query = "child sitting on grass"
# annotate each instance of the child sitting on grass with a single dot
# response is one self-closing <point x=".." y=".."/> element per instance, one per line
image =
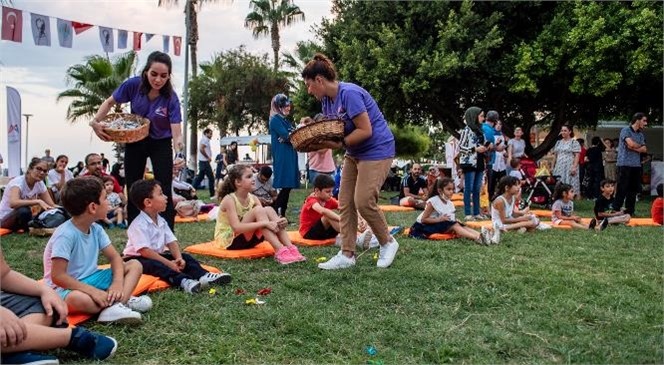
<point x="34" y="317"/>
<point x="439" y="216"/>
<point x="318" y="220"/>
<point x="243" y="223"/>
<point x="70" y="259"/>
<point x="115" y="216"/>
<point x="657" y="209"/>
<point x="505" y="213"/>
<point x="604" y="205"/>
<point x="149" y="236"/>
<point x="562" y="211"/>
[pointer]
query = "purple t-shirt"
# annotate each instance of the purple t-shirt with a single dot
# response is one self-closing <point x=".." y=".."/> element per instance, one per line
<point x="162" y="112"/>
<point x="351" y="101"/>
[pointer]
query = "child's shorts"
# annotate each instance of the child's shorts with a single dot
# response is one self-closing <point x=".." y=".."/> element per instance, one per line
<point x="319" y="232"/>
<point x="23" y="305"/>
<point x="240" y="242"/>
<point x="101" y="279"/>
<point x="423" y="231"/>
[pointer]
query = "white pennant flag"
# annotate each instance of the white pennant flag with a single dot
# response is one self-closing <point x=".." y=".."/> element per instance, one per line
<point x="14" y="132"/>
<point x="167" y="41"/>
<point x="41" y="29"/>
<point x="65" y="33"/>
<point x="106" y="38"/>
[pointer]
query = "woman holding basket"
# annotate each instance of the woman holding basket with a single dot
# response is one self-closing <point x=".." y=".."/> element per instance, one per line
<point x="152" y="96"/>
<point x="370" y="149"/>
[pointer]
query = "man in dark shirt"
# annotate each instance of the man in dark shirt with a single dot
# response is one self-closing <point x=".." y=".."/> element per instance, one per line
<point x="414" y="189"/>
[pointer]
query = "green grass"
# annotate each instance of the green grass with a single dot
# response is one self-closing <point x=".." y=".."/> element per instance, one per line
<point x="549" y="297"/>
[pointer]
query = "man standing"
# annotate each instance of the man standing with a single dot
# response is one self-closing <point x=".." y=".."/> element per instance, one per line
<point x="631" y="145"/>
<point x="48" y="158"/>
<point x="104" y="163"/>
<point x="204" y="158"/>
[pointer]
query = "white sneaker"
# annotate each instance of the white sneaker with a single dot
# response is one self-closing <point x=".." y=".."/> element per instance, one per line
<point x="190" y="286"/>
<point x="495" y="239"/>
<point x="522" y="230"/>
<point x="140" y="304"/>
<point x="387" y="253"/>
<point x="119" y="313"/>
<point x="364" y="239"/>
<point x="485" y="236"/>
<point x="543" y="226"/>
<point x="338" y="261"/>
<point x="337" y="241"/>
<point x="214" y="278"/>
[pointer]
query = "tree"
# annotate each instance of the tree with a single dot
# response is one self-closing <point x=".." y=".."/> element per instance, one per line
<point x="266" y="18"/>
<point x="93" y="82"/>
<point x="234" y="91"/>
<point x="570" y="62"/>
<point x="305" y="104"/>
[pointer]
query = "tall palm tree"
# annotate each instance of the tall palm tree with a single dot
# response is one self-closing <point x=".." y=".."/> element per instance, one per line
<point x="266" y="18"/>
<point x="93" y="82"/>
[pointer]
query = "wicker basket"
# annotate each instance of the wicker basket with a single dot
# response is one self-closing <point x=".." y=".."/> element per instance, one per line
<point x="41" y="232"/>
<point x="307" y="138"/>
<point x="127" y="135"/>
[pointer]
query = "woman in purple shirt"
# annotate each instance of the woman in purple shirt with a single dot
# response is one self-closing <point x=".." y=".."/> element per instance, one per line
<point x="369" y="145"/>
<point x="151" y="96"/>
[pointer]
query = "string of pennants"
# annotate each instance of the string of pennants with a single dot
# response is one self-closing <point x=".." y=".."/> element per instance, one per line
<point x="12" y="30"/>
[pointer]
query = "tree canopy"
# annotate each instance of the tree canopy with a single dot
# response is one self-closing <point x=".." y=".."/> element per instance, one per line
<point x="569" y="62"/>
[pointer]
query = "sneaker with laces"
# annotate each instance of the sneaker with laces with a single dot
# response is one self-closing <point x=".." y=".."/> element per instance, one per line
<point x="543" y="226"/>
<point x="387" y="253"/>
<point x="604" y="224"/>
<point x="140" y="304"/>
<point x="190" y="286"/>
<point x="592" y="224"/>
<point x="396" y="230"/>
<point x="481" y="217"/>
<point x="214" y="278"/>
<point x="364" y="239"/>
<point x="296" y="252"/>
<point x="284" y="256"/>
<point x="495" y="238"/>
<point x="119" y="313"/>
<point x="338" y="261"/>
<point x="469" y="218"/>
<point x="92" y="345"/>
<point x="522" y="230"/>
<point x="28" y="357"/>
<point x="485" y="236"/>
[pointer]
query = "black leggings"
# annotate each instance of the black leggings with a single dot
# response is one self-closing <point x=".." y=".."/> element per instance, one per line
<point x="17" y="219"/>
<point x="160" y="152"/>
<point x="281" y="203"/>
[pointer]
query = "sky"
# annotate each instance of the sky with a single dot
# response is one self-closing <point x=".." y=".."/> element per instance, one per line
<point x="38" y="73"/>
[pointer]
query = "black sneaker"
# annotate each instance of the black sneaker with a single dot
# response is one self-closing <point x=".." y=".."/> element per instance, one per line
<point x="604" y="224"/>
<point x="92" y="345"/>
<point x="31" y="358"/>
<point x="593" y="223"/>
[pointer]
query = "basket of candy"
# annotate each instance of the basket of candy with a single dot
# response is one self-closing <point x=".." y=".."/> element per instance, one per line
<point x="307" y="137"/>
<point x="125" y="128"/>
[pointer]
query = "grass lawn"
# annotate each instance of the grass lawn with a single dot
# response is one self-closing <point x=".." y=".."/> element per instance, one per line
<point x="555" y="296"/>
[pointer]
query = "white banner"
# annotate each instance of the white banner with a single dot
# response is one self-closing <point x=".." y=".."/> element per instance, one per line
<point x="13" y="132"/>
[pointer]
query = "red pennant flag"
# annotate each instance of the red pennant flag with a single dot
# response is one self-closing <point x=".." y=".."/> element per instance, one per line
<point x="137" y="41"/>
<point x="177" y="42"/>
<point x="80" y="27"/>
<point x="12" y="24"/>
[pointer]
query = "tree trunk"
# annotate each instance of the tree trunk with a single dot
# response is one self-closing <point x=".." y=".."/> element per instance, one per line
<point x="275" y="45"/>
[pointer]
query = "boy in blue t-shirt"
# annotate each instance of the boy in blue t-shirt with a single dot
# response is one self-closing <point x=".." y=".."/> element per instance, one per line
<point x="70" y="259"/>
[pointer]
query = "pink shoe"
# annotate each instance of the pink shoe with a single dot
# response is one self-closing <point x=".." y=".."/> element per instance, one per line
<point x="284" y="256"/>
<point x="296" y="252"/>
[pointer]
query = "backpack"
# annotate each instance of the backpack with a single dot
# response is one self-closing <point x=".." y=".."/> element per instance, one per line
<point x="51" y="218"/>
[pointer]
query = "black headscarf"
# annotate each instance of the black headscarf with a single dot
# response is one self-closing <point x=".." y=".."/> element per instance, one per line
<point x="470" y="117"/>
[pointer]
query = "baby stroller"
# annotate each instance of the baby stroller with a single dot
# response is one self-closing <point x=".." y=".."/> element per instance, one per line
<point x="539" y="185"/>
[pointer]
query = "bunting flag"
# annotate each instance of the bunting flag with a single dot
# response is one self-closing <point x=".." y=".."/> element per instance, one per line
<point x="106" y="38"/>
<point x="122" y="39"/>
<point x="12" y="24"/>
<point x="177" y="41"/>
<point x="167" y="42"/>
<point x="148" y="36"/>
<point x="41" y="29"/>
<point x="65" y="33"/>
<point x="80" y="27"/>
<point x="137" y="41"/>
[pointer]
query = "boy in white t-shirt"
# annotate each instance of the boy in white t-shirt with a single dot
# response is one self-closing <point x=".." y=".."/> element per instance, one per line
<point x="149" y="236"/>
<point x="70" y="259"/>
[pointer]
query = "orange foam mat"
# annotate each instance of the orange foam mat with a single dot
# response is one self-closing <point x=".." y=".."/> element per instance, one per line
<point x="297" y="239"/>
<point x="643" y="222"/>
<point x="4" y="231"/>
<point x="436" y="236"/>
<point x="457" y="196"/>
<point x="542" y="213"/>
<point x="263" y="249"/>
<point x="395" y="208"/>
<point x="488" y="224"/>
<point x="199" y="218"/>
<point x="457" y="203"/>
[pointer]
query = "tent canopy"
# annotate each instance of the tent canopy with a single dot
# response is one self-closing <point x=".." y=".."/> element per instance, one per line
<point x="245" y="140"/>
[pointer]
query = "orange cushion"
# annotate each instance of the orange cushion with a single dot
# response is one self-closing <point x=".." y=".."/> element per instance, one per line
<point x="263" y="249"/>
<point x="199" y="218"/>
<point x="642" y="222"/>
<point x="4" y="231"/>
<point x="436" y="236"/>
<point x="457" y="196"/>
<point x="457" y="203"/>
<point x="297" y="239"/>
<point x="395" y="208"/>
<point x="478" y="224"/>
<point x="542" y="213"/>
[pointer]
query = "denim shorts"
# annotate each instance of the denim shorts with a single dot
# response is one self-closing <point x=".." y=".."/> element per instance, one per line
<point x="100" y="279"/>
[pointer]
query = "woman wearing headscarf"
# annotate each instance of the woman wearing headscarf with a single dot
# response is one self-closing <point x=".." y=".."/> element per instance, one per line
<point x="284" y="157"/>
<point x="471" y="161"/>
